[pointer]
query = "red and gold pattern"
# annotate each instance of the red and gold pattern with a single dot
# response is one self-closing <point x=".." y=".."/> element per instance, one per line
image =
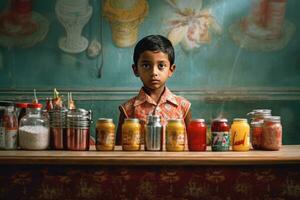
<point x="144" y="182"/>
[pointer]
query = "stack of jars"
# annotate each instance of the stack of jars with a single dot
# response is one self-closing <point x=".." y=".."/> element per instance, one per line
<point x="266" y="130"/>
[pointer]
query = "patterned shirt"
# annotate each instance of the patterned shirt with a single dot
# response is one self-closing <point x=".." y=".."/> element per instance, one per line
<point x="170" y="106"/>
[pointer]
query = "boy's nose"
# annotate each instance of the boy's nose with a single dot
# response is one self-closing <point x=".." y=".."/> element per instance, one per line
<point x="154" y="70"/>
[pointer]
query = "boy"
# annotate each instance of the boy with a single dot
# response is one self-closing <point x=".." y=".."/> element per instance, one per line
<point x="154" y="64"/>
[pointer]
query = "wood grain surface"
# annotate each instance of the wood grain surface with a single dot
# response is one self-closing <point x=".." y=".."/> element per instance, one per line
<point x="288" y="154"/>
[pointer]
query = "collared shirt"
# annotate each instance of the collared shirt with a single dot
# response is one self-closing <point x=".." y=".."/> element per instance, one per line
<point x="170" y="106"/>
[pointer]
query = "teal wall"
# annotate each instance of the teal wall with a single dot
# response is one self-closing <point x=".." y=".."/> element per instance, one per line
<point x="219" y="78"/>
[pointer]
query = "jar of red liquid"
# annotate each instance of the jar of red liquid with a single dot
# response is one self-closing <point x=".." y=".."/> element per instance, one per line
<point x="220" y="138"/>
<point x="272" y="134"/>
<point x="256" y="134"/>
<point x="196" y="132"/>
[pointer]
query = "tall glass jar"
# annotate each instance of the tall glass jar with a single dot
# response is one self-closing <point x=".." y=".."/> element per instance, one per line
<point x="9" y="132"/>
<point x="240" y="135"/>
<point x="34" y="129"/>
<point x="272" y="133"/>
<point x="175" y="135"/>
<point x="220" y="137"/>
<point x="196" y="132"/>
<point x="131" y="135"/>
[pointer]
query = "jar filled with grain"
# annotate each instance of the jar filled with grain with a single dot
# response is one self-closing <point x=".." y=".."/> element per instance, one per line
<point x="34" y="129"/>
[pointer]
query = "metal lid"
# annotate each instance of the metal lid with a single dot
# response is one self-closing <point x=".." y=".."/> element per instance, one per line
<point x="220" y="120"/>
<point x="6" y="103"/>
<point x="198" y="120"/>
<point x="132" y="120"/>
<point x="257" y="124"/>
<point x="272" y="119"/>
<point x="105" y="120"/>
<point x="153" y="118"/>
<point x="240" y="120"/>
<point x="175" y="120"/>
<point x="259" y="112"/>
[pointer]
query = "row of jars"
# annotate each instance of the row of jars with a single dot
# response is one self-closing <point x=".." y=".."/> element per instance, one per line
<point x="25" y="126"/>
<point x="264" y="132"/>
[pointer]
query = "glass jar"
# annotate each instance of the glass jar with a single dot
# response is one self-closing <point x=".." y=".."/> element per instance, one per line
<point x="256" y="131"/>
<point x="272" y="133"/>
<point x="34" y="129"/>
<point x="9" y="129"/>
<point x="220" y="138"/>
<point x="105" y="134"/>
<point x="196" y="133"/>
<point x="175" y="135"/>
<point x="131" y="135"/>
<point x="240" y="135"/>
<point x="259" y="114"/>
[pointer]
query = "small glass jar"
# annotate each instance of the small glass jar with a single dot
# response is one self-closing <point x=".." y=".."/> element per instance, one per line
<point x="34" y="129"/>
<point x="196" y="133"/>
<point x="131" y="135"/>
<point x="272" y="133"/>
<point x="175" y="135"/>
<point x="256" y="131"/>
<point x="105" y="134"/>
<point x="220" y="137"/>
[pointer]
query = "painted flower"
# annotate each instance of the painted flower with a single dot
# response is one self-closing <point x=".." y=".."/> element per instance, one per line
<point x="191" y="25"/>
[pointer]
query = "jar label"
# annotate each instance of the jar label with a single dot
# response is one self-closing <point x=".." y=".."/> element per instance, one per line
<point x="220" y="141"/>
<point x="105" y="138"/>
<point x="2" y="137"/>
<point x="131" y="137"/>
<point x="11" y="139"/>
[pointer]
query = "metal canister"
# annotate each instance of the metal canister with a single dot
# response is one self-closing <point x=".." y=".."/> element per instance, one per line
<point x="220" y="138"/>
<point x="78" y="129"/>
<point x="153" y="133"/>
<point x="58" y="128"/>
<point x="105" y="134"/>
<point x="175" y="135"/>
<point x="131" y="135"/>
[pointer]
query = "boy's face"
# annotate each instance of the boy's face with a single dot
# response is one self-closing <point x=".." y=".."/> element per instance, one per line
<point x="154" y="69"/>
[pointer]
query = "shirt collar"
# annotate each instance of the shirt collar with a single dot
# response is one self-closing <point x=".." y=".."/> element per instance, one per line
<point x="167" y="96"/>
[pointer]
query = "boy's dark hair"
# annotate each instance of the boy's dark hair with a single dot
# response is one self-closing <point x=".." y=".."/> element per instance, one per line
<point x="154" y="43"/>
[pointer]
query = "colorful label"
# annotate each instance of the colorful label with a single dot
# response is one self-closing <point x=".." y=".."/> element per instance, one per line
<point x="2" y="138"/>
<point x="131" y="137"/>
<point x="11" y="139"/>
<point x="175" y="140"/>
<point x="220" y="141"/>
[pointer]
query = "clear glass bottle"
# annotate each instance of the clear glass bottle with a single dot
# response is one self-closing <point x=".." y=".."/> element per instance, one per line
<point x="34" y="129"/>
<point x="10" y="124"/>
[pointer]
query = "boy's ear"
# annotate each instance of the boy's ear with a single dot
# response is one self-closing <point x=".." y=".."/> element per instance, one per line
<point x="172" y="70"/>
<point x="135" y="70"/>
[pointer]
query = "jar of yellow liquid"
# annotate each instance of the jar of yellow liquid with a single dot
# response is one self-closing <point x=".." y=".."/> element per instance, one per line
<point x="131" y="135"/>
<point x="175" y="135"/>
<point x="240" y="135"/>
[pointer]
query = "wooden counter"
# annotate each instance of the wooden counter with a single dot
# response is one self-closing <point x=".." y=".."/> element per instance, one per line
<point x="288" y="154"/>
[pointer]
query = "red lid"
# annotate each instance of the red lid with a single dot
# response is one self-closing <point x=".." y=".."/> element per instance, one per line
<point x="35" y="105"/>
<point x="21" y="105"/>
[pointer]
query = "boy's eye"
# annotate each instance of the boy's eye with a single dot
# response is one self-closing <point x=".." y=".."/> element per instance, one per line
<point x="161" y="66"/>
<point x="146" y="66"/>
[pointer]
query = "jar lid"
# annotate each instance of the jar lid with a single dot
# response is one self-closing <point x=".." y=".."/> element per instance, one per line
<point x="21" y="105"/>
<point x="6" y="103"/>
<point x="257" y="124"/>
<point x="34" y="105"/>
<point x="105" y="120"/>
<point x="198" y="120"/>
<point x="220" y="120"/>
<point x="240" y="120"/>
<point x="153" y="118"/>
<point x="175" y="120"/>
<point x="272" y="119"/>
<point x="132" y="120"/>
